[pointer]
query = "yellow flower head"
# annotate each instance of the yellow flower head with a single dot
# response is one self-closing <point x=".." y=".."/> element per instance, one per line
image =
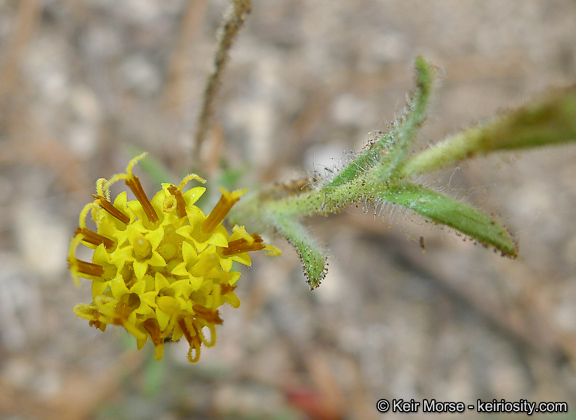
<point x="161" y="268"/>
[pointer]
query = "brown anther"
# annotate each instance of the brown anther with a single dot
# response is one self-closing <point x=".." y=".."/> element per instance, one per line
<point x="89" y="268"/>
<point x="128" y="304"/>
<point x="94" y="238"/>
<point x="180" y="204"/>
<point x="134" y="184"/>
<point x="185" y="330"/>
<point x="242" y="245"/>
<point x="97" y="324"/>
<point x="219" y="213"/>
<point x="194" y="340"/>
<point x="107" y="205"/>
<point x="226" y="288"/>
<point x="209" y="315"/>
<point x="152" y="327"/>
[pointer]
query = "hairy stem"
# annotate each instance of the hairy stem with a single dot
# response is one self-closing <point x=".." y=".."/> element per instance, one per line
<point x="233" y="21"/>
<point x="544" y="122"/>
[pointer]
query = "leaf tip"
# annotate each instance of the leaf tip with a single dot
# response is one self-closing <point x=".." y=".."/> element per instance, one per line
<point x="314" y="276"/>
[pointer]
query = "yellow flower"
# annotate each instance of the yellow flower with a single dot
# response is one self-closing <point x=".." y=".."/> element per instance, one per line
<point x="161" y="268"/>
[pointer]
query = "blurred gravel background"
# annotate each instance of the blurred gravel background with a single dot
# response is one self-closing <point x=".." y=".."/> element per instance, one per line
<point x="83" y="81"/>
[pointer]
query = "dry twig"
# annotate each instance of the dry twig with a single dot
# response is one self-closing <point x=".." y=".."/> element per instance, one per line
<point x="233" y="21"/>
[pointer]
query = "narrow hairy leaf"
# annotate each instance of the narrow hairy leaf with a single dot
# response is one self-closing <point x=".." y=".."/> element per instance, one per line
<point x="455" y="214"/>
<point x="389" y="150"/>
<point x="365" y="159"/>
<point x="544" y="122"/>
<point x="310" y="253"/>
<point x="415" y="115"/>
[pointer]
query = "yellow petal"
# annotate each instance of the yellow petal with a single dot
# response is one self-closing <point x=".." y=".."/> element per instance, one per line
<point x="195" y="282"/>
<point x="140" y="269"/>
<point x="239" y="232"/>
<point x="168" y="304"/>
<point x="218" y="237"/>
<point x="157" y="260"/>
<point x="98" y="288"/>
<point x="242" y="258"/>
<point x="226" y="264"/>
<point x="182" y="288"/>
<point x="189" y="253"/>
<point x="139" y="287"/>
<point x="161" y="282"/>
<point x="147" y="302"/>
<point x="193" y="194"/>
<point x="163" y="318"/>
<point x="232" y="299"/>
<point x="118" y="287"/>
<point x="233" y="277"/>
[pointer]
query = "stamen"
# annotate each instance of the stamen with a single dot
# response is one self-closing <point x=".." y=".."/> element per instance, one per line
<point x="97" y="324"/>
<point x="88" y="268"/>
<point x="220" y="210"/>
<point x="188" y="178"/>
<point x="134" y="161"/>
<point x="242" y="245"/>
<point x="84" y="213"/>
<point x="134" y="184"/>
<point x="107" y="205"/>
<point x="153" y="329"/>
<point x="184" y="329"/>
<point x="196" y="348"/>
<point x="208" y="314"/>
<point x="94" y="238"/>
<point x="102" y="188"/>
<point x="212" y="341"/>
<point x="180" y="204"/>
<point x="127" y="305"/>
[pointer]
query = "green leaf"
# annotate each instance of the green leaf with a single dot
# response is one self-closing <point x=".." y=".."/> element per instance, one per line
<point x="361" y="162"/>
<point x="310" y="253"/>
<point x="414" y="116"/>
<point x="546" y="121"/>
<point x="455" y="214"/>
<point x="389" y="150"/>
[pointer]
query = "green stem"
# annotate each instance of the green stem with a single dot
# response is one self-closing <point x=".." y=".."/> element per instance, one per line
<point x="323" y="201"/>
<point x="380" y="173"/>
<point x="547" y="121"/>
